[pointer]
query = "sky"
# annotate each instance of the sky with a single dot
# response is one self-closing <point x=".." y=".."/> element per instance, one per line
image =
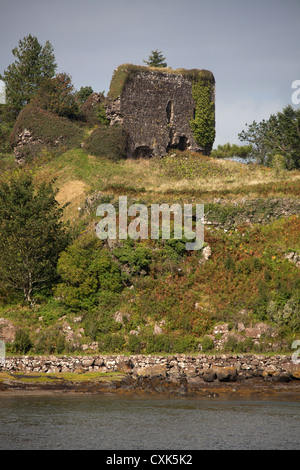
<point x="251" y="46"/>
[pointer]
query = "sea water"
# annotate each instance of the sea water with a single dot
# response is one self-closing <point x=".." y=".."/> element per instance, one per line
<point x="138" y="423"/>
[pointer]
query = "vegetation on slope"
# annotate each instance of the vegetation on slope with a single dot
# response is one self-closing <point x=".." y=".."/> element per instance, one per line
<point x="143" y="296"/>
<point x="159" y="286"/>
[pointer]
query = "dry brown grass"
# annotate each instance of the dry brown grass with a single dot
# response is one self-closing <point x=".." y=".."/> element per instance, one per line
<point x="72" y="192"/>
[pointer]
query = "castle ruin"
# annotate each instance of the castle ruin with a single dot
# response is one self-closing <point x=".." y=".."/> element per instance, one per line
<point x="162" y="108"/>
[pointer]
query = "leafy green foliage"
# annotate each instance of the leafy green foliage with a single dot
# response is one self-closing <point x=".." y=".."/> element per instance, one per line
<point x="57" y="95"/>
<point x="279" y="135"/>
<point x="107" y="142"/>
<point x="22" y="342"/>
<point x="87" y="270"/>
<point x="33" y="64"/>
<point x="137" y="258"/>
<point x="203" y="122"/>
<point x="31" y="235"/>
<point x="232" y="150"/>
<point x="83" y="94"/>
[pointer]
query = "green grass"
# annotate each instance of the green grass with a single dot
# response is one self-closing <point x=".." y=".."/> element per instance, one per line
<point x="61" y="377"/>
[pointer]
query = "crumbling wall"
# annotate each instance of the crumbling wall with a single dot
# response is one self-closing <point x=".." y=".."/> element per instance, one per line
<point x="156" y="107"/>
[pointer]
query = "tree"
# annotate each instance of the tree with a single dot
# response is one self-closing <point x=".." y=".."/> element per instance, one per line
<point x="32" y="235"/>
<point x="57" y="95"/>
<point x="156" y="59"/>
<point x="277" y="136"/>
<point x="33" y="64"/>
<point x="232" y="150"/>
<point x="83" y="94"/>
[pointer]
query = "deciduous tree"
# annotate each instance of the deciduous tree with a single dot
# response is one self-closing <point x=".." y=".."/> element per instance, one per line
<point x="32" y="235"/>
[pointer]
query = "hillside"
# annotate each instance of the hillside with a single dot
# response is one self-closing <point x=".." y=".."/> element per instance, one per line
<point x="239" y="294"/>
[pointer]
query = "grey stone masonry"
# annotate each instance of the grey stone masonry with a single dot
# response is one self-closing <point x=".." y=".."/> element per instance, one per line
<point x="207" y="367"/>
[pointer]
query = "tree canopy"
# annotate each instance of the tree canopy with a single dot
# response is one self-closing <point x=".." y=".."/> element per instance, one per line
<point x="156" y="59"/>
<point x="279" y="136"/>
<point x="32" y="235"/>
<point x="58" y="96"/>
<point x="34" y="63"/>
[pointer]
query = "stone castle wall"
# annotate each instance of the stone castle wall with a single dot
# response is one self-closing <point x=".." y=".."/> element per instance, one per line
<point x="155" y="107"/>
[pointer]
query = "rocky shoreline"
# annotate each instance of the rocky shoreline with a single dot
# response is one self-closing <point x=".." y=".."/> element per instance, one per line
<point x="238" y="376"/>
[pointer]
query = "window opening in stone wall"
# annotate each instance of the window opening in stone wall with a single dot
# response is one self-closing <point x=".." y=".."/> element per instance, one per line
<point x="170" y="112"/>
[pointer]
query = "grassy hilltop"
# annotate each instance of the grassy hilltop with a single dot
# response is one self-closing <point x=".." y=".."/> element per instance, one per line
<point x="154" y="296"/>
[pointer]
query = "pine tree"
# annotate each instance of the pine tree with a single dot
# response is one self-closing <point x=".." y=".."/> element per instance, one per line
<point x="156" y="59"/>
<point x="22" y="78"/>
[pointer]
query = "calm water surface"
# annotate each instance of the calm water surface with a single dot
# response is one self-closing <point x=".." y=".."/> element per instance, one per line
<point x="135" y="423"/>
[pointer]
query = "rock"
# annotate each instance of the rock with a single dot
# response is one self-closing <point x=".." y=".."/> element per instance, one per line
<point x="294" y="257"/>
<point x="119" y="317"/>
<point x="257" y="330"/>
<point x="221" y="329"/>
<point x="226" y="374"/>
<point x="88" y="362"/>
<point x="209" y="375"/>
<point x="124" y="366"/>
<point x="294" y="370"/>
<point x="157" y="330"/>
<point x="7" y="331"/>
<point x="206" y="252"/>
<point x="152" y="370"/>
<point x="134" y="332"/>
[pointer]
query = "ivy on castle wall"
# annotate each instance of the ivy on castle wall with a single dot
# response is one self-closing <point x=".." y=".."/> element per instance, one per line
<point x="203" y="122"/>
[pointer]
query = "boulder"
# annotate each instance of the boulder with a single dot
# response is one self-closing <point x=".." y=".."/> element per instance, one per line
<point x="152" y="370"/>
<point x="7" y="331"/>
<point x="225" y="374"/>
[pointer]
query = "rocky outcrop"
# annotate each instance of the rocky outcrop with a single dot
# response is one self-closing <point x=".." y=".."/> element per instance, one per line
<point x="7" y="331"/>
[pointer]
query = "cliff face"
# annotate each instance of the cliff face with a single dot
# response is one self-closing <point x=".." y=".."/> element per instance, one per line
<point x="156" y="107"/>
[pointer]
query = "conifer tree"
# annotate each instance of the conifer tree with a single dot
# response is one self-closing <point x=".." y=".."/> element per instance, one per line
<point x="33" y="64"/>
<point x="156" y="59"/>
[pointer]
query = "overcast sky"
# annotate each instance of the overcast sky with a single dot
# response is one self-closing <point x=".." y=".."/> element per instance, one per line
<point x="251" y="46"/>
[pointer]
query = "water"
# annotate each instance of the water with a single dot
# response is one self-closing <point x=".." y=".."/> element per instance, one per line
<point x="135" y="423"/>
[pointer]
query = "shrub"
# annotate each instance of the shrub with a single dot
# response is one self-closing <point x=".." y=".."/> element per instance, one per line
<point x="207" y="344"/>
<point x="137" y="258"/>
<point x="231" y="344"/>
<point x="46" y="130"/>
<point x="158" y="344"/>
<point x="134" y="344"/>
<point x="22" y="343"/>
<point x="87" y="271"/>
<point x="110" y="142"/>
<point x="112" y="343"/>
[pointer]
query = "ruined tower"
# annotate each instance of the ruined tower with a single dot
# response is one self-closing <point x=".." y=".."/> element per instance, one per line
<point x="162" y="108"/>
